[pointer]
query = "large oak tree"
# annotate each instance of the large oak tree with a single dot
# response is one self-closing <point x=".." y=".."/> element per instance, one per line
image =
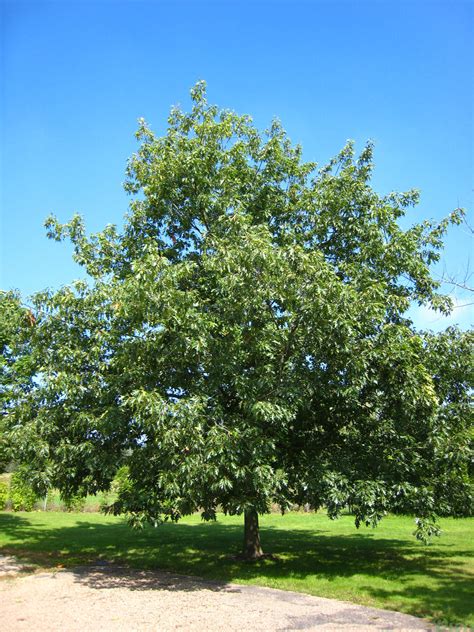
<point x="17" y="364"/>
<point x="243" y="340"/>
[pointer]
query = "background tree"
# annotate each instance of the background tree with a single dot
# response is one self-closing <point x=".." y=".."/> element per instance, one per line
<point x="243" y="340"/>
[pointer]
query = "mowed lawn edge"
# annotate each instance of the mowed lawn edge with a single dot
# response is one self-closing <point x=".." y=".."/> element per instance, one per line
<point x="383" y="567"/>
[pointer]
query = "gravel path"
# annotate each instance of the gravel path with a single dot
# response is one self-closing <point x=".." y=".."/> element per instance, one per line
<point x="113" y="598"/>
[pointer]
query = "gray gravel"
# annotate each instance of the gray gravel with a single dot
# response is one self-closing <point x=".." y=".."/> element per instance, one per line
<point x="113" y="598"/>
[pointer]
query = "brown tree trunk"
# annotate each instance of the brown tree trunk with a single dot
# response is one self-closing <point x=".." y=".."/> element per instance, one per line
<point x="252" y="549"/>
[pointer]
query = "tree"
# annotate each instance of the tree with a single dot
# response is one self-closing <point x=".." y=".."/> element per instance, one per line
<point x="448" y="357"/>
<point x="242" y="341"/>
<point x="16" y="360"/>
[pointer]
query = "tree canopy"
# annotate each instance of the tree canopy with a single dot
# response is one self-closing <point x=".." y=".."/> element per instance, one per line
<point x="243" y="340"/>
<point x="17" y="365"/>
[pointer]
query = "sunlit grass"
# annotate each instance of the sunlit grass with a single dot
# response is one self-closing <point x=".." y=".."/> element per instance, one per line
<point x="385" y="567"/>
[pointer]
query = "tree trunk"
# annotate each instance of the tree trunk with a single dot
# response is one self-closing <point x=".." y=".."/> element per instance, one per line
<point x="252" y="549"/>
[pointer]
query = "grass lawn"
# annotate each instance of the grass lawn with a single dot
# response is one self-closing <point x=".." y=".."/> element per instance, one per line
<point x="385" y="567"/>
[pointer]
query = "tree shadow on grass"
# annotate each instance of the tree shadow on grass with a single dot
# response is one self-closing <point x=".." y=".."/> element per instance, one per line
<point x="425" y="581"/>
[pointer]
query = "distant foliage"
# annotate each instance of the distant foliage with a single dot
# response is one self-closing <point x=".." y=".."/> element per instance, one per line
<point x="121" y="481"/>
<point x="75" y="503"/>
<point x="121" y="488"/>
<point x="22" y="495"/>
<point x="3" y="495"/>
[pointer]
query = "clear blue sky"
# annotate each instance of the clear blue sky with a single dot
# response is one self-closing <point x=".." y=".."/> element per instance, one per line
<point x="77" y="75"/>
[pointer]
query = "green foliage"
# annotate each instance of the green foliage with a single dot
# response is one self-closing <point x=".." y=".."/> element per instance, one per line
<point x="243" y="341"/>
<point x="449" y="358"/>
<point x="3" y="494"/>
<point x="75" y="502"/>
<point x="22" y="495"/>
<point x="119" y="488"/>
<point x="16" y="360"/>
<point x="15" y="369"/>
<point x="121" y="480"/>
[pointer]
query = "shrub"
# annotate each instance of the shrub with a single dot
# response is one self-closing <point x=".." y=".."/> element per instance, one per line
<point x="3" y="495"/>
<point x="121" y="481"/>
<point x="22" y="495"/>
<point x="74" y="502"/>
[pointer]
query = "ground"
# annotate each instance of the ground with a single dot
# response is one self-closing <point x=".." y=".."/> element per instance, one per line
<point x="374" y="568"/>
<point x="115" y="598"/>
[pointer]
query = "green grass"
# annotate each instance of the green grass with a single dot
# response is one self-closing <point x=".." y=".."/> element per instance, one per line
<point x="385" y="567"/>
